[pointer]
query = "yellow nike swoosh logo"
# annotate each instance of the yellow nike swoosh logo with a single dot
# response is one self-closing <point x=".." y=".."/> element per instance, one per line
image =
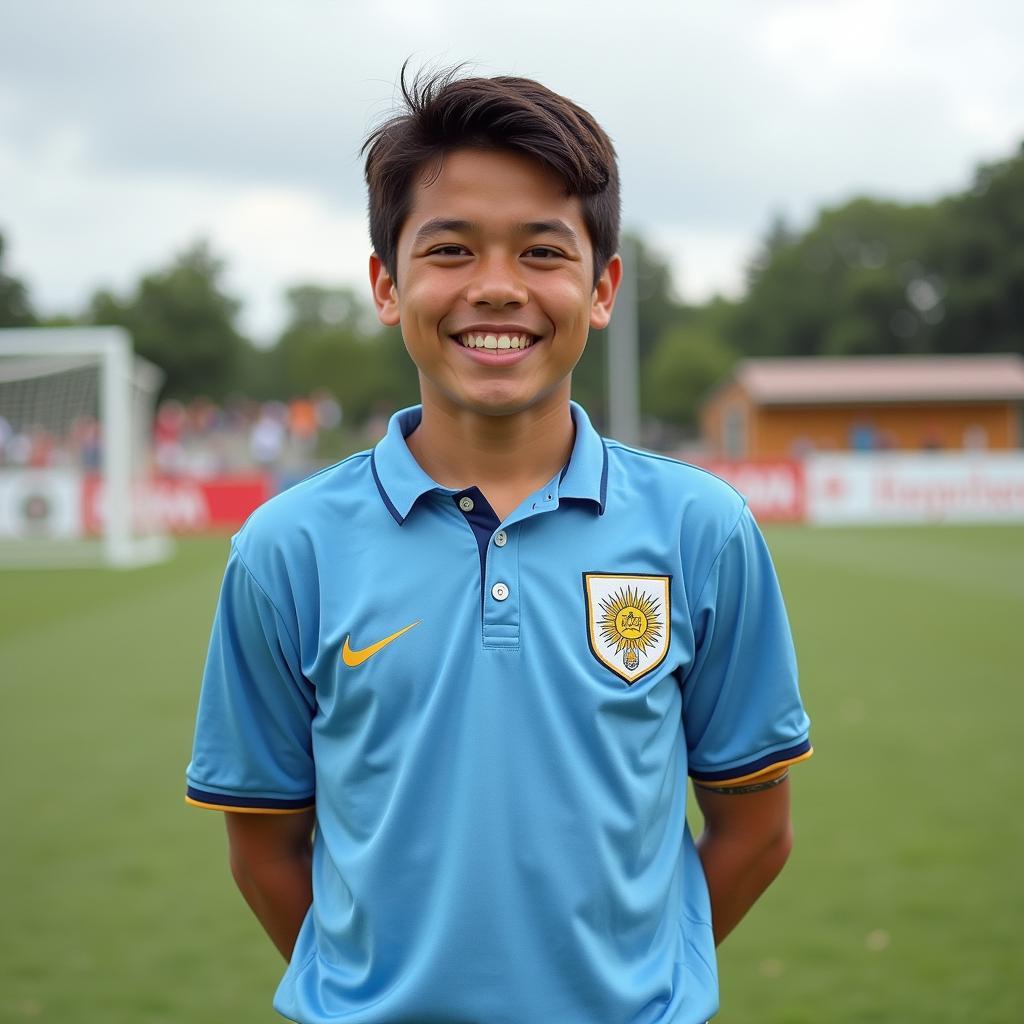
<point x="354" y="658"/>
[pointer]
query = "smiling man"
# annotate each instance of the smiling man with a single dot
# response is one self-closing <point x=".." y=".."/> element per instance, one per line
<point x="497" y="294"/>
<point x="484" y="658"/>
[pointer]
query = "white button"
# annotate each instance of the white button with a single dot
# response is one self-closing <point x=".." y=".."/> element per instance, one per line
<point x="501" y="538"/>
<point x="466" y="504"/>
<point x="499" y="591"/>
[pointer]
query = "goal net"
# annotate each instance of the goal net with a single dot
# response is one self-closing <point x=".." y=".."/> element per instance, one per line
<point x="76" y="419"/>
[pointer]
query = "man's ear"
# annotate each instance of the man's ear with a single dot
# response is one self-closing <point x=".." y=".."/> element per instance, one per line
<point x="385" y="293"/>
<point x="604" y="293"/>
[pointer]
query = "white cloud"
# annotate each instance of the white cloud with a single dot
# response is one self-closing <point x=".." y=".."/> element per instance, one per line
<point x="78" y="228"/>
<point x="277" y="237"/>
<point x="127" y="130"/>
<point x="705" y="262"/>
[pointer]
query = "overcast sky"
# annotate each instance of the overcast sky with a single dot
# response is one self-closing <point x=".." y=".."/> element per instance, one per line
<point x="129" y="129"/>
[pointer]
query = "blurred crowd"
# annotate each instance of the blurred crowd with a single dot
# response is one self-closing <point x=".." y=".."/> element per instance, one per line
<point x="35" y="446"/>
<point x="199" y="438"/>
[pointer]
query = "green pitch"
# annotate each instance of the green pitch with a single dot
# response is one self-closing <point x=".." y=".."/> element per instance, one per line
<point x="902" y="901"/>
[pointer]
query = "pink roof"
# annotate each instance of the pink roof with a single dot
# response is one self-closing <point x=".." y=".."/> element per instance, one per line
<point x="883" y="379"/>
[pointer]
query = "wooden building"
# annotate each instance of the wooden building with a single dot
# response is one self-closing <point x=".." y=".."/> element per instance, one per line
<point x="776" y="408"/>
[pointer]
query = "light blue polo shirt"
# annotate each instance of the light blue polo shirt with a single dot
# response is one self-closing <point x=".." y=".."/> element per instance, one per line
<point x="496" y="722"/>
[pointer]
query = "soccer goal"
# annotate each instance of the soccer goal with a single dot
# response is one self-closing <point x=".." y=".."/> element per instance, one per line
<point x="76" y="419"/>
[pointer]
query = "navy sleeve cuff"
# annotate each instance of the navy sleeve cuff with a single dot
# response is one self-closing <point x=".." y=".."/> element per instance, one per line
<point x="745" y="772"/>
<point x="254" y="804"/>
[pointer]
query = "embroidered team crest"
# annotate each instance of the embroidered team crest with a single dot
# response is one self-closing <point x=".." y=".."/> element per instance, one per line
<point x="628" y="621"/>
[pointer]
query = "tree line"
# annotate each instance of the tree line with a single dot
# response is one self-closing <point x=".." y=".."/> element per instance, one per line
<point x="868" y="276"/>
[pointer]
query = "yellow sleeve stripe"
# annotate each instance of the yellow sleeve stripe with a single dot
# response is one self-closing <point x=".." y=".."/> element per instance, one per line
<point x="248" y="810"/>
<point x="773" y="771"/>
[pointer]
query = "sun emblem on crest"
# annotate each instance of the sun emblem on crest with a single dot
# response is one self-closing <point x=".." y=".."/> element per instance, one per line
<point x="629" y="620"/>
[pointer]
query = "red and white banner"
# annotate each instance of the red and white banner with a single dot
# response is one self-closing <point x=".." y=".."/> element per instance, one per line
<point x="823" y="489"/>
<point x="774" y="490"/>
<point x="898" y="488"/>
<point x="183" y="504"/>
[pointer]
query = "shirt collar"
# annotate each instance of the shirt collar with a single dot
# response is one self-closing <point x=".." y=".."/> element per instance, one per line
<point x="586" y="475"/>
<point x="402" y="482"/>
<point x="399" y="477"/>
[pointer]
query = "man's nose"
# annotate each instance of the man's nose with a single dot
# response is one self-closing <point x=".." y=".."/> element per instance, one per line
<point x="497" y="282"/>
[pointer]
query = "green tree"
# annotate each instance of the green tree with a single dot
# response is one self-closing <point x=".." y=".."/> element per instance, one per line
<point x="687" y="362"/>
<point x="979" y="258"/>
<point x="15" y="306"/>
<point x="777" y="239"/>
<point x="332" y="340"/>
<point x="879" y="277"/>
<point x="846" y="286"/>
<point x="181" y="319"/>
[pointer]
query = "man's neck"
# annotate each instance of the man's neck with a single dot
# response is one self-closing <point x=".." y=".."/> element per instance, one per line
<point x="507" y="457"/>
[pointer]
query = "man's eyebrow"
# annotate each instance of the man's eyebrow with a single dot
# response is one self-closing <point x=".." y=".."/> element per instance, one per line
<point x="549" y="227"/>
<point x="451" y="225"/>
<point x="442" y="226"/>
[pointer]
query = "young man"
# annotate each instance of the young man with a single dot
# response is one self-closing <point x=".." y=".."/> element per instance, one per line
<point x="483" y="658"/>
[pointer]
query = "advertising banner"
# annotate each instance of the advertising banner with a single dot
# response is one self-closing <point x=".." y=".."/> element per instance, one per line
<point x="184" y="504"/>
<point x="774" y="489"/>
<point x="823" y="489"/>
<point x="919" y="488"/>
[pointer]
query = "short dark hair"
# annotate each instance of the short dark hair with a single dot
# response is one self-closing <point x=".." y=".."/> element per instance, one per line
<point x="444" y="112"/>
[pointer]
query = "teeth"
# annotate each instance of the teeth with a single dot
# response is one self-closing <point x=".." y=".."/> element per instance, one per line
<point x="496" y="341"/>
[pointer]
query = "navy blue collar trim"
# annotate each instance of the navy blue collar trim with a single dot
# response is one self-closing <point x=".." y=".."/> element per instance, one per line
<point x="395" y="514"/>
<point x="408" y="483"/>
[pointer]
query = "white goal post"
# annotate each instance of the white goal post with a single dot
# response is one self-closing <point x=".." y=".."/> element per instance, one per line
<point x="76" y="418"/>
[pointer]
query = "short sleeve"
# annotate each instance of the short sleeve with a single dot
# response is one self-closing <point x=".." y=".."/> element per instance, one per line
<point x="742" y="713"/>
<point x="253" y="740"/>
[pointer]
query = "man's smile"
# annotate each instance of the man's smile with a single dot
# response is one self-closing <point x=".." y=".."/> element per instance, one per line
<point x="492" y="348"/>
<point x="495" y="341"/>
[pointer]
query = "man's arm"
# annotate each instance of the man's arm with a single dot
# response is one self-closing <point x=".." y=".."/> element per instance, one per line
<point x="746" y="840"/>
<point x="272" y="860"/>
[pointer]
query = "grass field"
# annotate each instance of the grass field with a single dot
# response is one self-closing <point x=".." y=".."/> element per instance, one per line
<point x="903" y="901"/>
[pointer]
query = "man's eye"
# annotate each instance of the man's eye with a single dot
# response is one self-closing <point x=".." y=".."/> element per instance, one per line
<point x="448" y="250"/>
<point x="542" y="252"/>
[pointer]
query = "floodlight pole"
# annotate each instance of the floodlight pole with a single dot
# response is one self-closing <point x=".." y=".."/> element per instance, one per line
<point x="623" y="361"/>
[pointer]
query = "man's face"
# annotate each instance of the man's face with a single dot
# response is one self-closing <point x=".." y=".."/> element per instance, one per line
<point x="495" y="291"/>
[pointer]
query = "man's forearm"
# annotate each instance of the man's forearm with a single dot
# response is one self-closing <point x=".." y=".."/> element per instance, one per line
<point x="272" y="862"/>
<point x="745" y="843"/>
<point x="279" y="893"/>
<point x="737" y="874"/>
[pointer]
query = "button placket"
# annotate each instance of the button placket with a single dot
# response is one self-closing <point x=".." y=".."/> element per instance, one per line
<point x="501" y="612"/>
